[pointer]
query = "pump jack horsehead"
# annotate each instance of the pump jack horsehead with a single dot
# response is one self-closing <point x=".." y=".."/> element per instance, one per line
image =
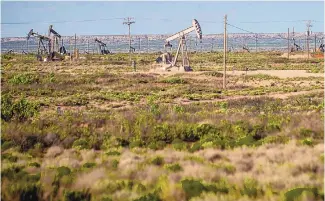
<point x="53" y="45"/>
<point x="166" y="58"/>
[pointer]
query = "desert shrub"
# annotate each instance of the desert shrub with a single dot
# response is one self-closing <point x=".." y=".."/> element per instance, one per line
<point x="157" y="145"/>
<point x="247" y="141"/>
<point x="106" y="199"/>
<point x="276" y="139"/>
<point x="114" y="163"/>
<point x="81" y="144"/>
<point x="20" y="110"/>
<point x="9" y="157"/>
<point x="195" y="147"/>
<point x="77" y="100"/>
<point x="123" y="142"/>
<point x="178" y="144"/>
<point x="113" y="153"/>
<point x="305" y="132"/>
<point x="294" y="194"/>
<point x="34" y="164"/>
<point x="88" y="165"/>
<point x="174" y="167"/>
<point x="174" y="80"/>
<point x="30" y="193"/>
<point x="158" y="160"/>
<point x="24" y="78"/>
<point x="250" y="188"/>
<point x="13" y="172"/>
<point x="307" y="141"/>
<point x="62" y="171"/>
<point x="136" y="143"/>
<point x="214" y="74"/>
<point x="6" y="57"/>
<point x="178" y="109"/>
<point x="7" y="145"/>
<point x="163" y="133"/>
<point x="76" y="196"/>
<point x="194" y="188"/>
<point x="6" y="107"/>
<point x="149" y="197"/>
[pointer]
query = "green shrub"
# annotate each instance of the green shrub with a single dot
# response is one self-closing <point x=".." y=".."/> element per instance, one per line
<point x="304" y="132"/>
<point x="178" y="144"/>
<point x="29" y="193"/>
<point x="106" y="199"/>
<point x="294" y="194"/>
<point x="81" y="144"/>
<point x="9" y="157"/>
<point x="34" y="164"/>
<point x="250" y="188"/>
<point x="20" y="110"/>
<point x="174" y="167"/>
<point x="157" y="145"/>
<point x="195" y="147"/>
<point x="307" y="141"/>
<point x="89" y="165"/>
<point x="158" y="160"/>
<point x="174" y="80"/>
<point x="149" y="197"/>
<point x="115" y="163"/>
<point x="136" y="143"/>
<point x="192" y="188"/>
<point x="24" y="78"/>
<point x="76" y="196"/>
<point x="277" y="139"/>
<point x="7" y="145"/>
<point x="113" y="153"/>
<point x="62" y="171"/>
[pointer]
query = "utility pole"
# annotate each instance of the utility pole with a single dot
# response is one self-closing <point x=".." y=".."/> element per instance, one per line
<point x="308" y="24"/>
<point x="129" y="22"/>
<point x="288" y="43"/>
<point x="224" y="53"/>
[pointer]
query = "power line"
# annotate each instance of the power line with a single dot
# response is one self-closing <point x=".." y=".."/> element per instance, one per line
<point x="284" y="21"/>
<point x="60" y="22"/>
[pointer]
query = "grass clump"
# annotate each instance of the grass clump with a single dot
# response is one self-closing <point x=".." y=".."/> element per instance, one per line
<point x="174" y="80"/>
<point x="76" y="196"/>
<point x="173" y="167"/>
<point x="158" y="160"/>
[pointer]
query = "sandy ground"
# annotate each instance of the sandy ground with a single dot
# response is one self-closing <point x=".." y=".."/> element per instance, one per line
<point x="278" y="73"/>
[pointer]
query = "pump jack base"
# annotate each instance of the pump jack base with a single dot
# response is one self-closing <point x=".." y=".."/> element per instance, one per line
<point x="168" y="68"/>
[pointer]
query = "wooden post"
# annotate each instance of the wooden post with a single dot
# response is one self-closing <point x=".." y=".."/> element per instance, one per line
<point x="70" y="48"/>
<point x="256" y="43"/>
<point x="147" y="44"/>
<point x="88" y="46"/>
<point x="288" y="44"/>
<point x="315" y="44"/>
<point x="224" y="53"/>
<point x="75" y="41"/>
<point x="308" y="43"/>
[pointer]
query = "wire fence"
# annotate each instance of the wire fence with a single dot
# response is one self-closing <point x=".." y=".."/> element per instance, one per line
<point x="150" y="44"/>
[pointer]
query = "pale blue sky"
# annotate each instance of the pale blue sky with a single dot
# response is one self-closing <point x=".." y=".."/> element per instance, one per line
<point x="157" y="17"/>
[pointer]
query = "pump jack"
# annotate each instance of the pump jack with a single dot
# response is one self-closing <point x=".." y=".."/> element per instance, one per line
<point x="102" y="47"/>
<point x="166" y="57"/>
<point x="296" y="46"/>
<point x="53" y="44"/>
